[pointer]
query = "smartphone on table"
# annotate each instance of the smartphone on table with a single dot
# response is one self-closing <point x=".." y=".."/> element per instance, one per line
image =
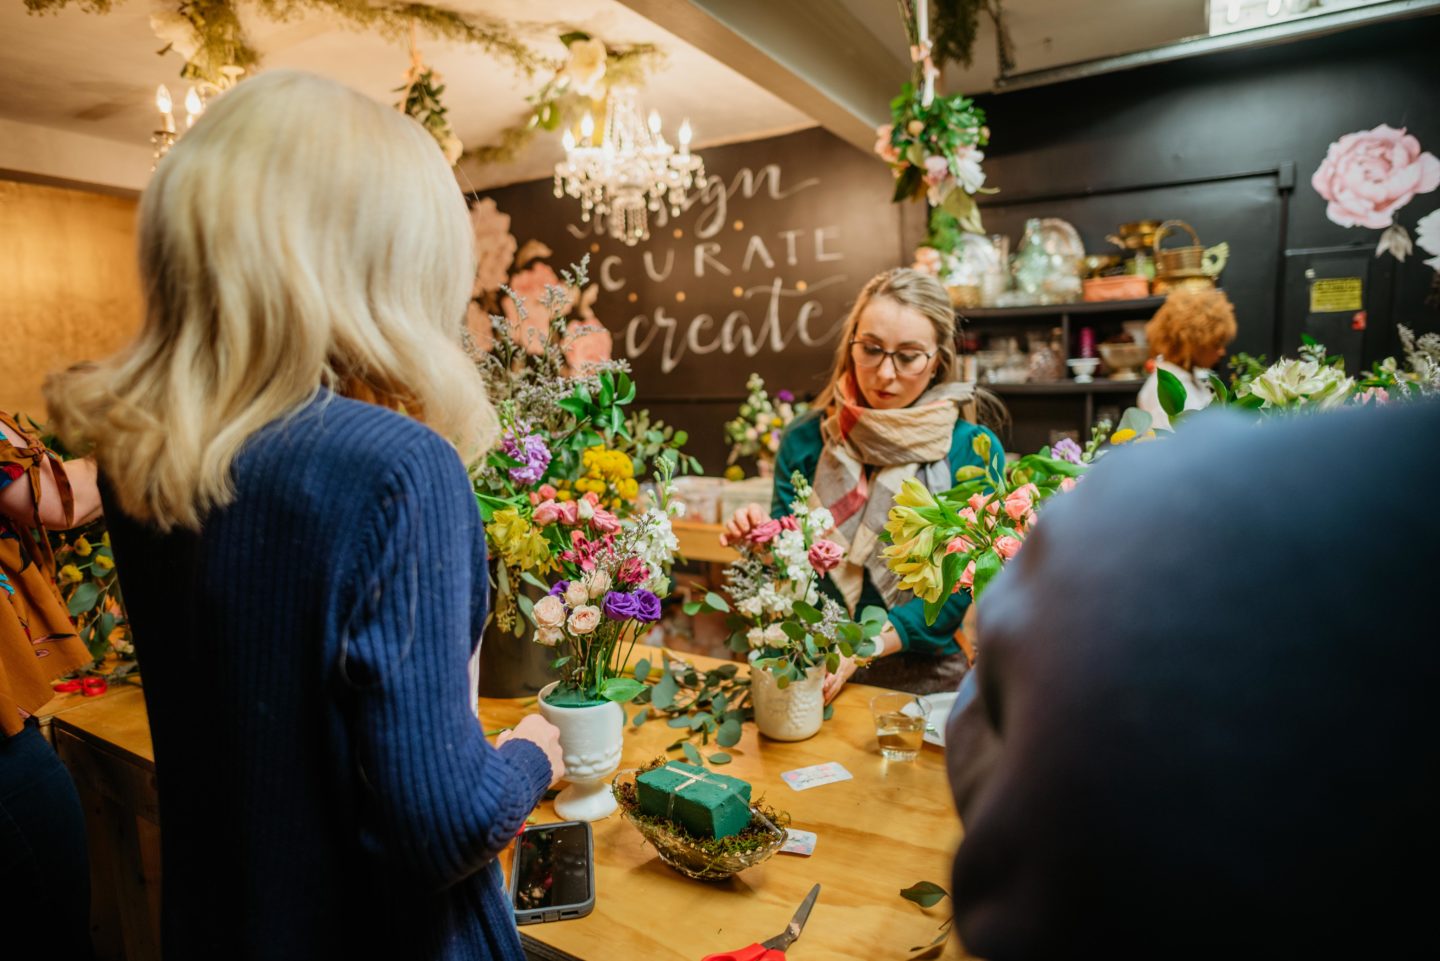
<point x="553" y="875"/>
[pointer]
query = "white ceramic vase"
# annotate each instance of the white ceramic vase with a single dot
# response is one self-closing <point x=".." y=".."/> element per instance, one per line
<point x="791" y="714"/>
<point x="590" y="740"/>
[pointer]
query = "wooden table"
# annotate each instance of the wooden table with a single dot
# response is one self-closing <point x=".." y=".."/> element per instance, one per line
<point x="891" y="826"/>
<point x="701" y="542"/>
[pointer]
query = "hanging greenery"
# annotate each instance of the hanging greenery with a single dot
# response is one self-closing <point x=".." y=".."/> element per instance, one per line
<point x="954" y="27"/>
<point x="580" y="84"/>
<point x="210" y="36"/>
<point x="421" y="99"/>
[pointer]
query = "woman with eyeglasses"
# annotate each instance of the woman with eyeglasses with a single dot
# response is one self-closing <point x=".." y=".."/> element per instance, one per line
<point x="894" y="408"/>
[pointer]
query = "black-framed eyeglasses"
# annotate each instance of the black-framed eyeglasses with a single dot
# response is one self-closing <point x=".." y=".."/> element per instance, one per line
<point x="907" y="361"/>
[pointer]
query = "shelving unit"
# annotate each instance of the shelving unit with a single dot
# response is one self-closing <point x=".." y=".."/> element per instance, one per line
<point x="1039" y="410"/>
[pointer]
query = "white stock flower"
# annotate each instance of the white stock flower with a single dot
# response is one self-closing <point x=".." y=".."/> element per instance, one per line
<point x="1427" y="237"/>
<point x="751" y="606"/>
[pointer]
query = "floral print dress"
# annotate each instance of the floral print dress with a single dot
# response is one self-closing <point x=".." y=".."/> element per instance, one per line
<point x="38" y="642"/>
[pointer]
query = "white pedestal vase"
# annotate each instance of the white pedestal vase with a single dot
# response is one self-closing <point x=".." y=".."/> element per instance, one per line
<point x="792" y="714"/>
<point x="590" y="740"/>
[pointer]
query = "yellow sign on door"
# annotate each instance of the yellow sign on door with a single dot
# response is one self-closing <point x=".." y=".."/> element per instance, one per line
<point x="1335" y="295"/>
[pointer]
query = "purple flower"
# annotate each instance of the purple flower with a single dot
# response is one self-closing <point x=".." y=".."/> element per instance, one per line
<point x="531" y="451"/>
<point x="649" y="606"/>
<point x="621" y="607"/>
<point x="784" y="397"/>
<point x="559" y="588"/>
<point x="1066" y="449"/>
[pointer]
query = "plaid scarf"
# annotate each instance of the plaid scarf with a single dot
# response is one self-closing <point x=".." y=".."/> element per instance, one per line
<point x="898" y="444"/>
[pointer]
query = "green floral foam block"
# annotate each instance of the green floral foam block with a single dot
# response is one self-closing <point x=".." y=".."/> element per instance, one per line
<point x="706" y="803"/>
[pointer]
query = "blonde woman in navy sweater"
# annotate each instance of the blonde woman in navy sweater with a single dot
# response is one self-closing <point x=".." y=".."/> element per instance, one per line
<point x="282" y="452"/>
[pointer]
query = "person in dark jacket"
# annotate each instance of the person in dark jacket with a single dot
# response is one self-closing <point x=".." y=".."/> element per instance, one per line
<point x="282" y="456"/>
<point x="1205" y="722"/>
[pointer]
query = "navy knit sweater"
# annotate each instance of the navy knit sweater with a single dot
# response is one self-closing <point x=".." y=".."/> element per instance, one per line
<point x="325" y="788"/>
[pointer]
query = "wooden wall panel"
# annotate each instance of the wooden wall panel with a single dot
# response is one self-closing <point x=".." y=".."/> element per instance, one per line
<point x="69" y="289"/>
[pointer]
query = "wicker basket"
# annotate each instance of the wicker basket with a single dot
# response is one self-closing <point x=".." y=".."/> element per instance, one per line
<point x="696" y="857"/>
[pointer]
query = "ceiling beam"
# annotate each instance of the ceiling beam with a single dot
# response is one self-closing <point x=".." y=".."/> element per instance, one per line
<point x="812" y="54"/>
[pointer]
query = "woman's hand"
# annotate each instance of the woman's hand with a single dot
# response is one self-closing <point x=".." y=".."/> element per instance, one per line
<point x="742" y="522"/>
<point x="886" y="642"/>
<point x="542" y="734"/>
<point x="834" y="682"/>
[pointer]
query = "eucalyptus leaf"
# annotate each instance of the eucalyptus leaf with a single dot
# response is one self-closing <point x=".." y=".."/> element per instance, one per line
<point x="663" y="694"/>
<point x="679" y="720"/>
<point x="84" y="598"/>
<point x="693" y="754"/>
<point x="642" y="670"/>
<point x="829" y="711"/>
<point x="927" y="894"/>
<point x="716" y="602"/>
<point x="807" y="613"/>
<point x="729" y="732"/>
<point x="720" y="757"/>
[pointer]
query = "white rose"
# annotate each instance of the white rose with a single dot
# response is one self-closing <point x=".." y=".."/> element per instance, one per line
<point x="586" y="66"/>
<point x="549" y="612"/>
<point x="547" y="636"/>
<point x="576" y="594"/>
<point x="584" y="508"/>
<point x="597" y="583"/>
<point x="179" y="32"/>
<point x="755" y="636"/>
<point x="775" y="636"/>
<point x="584" y="619"/>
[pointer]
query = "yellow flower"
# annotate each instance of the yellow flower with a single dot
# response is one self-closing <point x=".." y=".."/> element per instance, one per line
<point x="83" y="548"/>
<point x="629" y="489"/>
<point x="904" y="524"/>
<point x="517" y="542"/>
<point x="1122" y="436"/>
<point x="920" y="576"/>
<point x="103" y="562"/>
<point x="914" y="494"/>
<point x="563" y="495"/>
<point x="105" y="538"/>
<point x="70" y="574"/>
<point x="734" y="473"/>
<point x="776" y="422"/>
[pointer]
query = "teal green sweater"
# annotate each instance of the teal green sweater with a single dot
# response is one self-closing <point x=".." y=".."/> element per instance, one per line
<point x="800" y="451"/>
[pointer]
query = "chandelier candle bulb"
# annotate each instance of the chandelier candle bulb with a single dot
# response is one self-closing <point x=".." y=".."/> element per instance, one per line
<point x="194" y="107"/>
<point x="655" y="122"/>
<point x="587" y="128"/>
<point x="164" y="104"/>
<point x="685" y="136"/>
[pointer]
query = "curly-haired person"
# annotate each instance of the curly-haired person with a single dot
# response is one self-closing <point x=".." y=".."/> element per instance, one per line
<point x="1187" y="336"/>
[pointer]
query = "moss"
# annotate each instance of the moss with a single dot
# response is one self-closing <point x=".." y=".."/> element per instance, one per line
<point x="754" y="838"/>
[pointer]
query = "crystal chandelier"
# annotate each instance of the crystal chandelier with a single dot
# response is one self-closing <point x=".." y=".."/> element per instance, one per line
<point x="632" y="171"/>
<point x="197" y="96"/>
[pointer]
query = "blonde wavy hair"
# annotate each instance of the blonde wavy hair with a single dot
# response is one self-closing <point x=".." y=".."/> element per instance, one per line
<point x="301" y="236"/>
<point x="921" y="292"/>
<point x="1191" y="324"/>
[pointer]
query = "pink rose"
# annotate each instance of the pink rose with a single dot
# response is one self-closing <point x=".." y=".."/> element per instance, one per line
<point x="764" y="533"/>
<point x="968" y="515"/>
<point x="825" y="556"/>
<point x="584" y="619"/>
<point x="549" y="612"/>
<point x="569" y="513"/>
<point x="547" y="512"/>
<point x="1006" y="547"/>
<point x="959" y="545"/>
<point x="883" y="147"/>
<point x="1378" y="396"/>
<point x="592" y="498"/>
<point x="587" y="345"/>
<point x="547" y="492"/>
<point x="605" y="522"/>
<point x="967" y="579"/>
<point x="1368" y="175"/>
<point x="789" y="523"/>
<point x="936" y="170"/>
<point x="976" y="502"/>
<point x="1067" y="484"/>
<point x="1017" y="504"/>
<point x="576" y="594"/>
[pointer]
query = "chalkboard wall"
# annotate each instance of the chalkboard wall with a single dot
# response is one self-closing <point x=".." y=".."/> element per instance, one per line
<point x="757" y="276"/>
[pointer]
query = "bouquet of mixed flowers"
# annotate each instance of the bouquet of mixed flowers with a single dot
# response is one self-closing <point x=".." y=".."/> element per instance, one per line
<point x="960" y="539"/>
<point x="614" y="574"/>
<point x="562" y="437"/>
<point x="776" y="608"/>
<point x="756" y="432"/>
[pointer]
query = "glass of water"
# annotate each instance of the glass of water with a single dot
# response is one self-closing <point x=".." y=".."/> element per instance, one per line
<point x="900" y="721"/>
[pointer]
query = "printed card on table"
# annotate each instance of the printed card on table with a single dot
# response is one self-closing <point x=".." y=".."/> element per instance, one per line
<point x="803" y="779"/>
<point x="798" y="842"/>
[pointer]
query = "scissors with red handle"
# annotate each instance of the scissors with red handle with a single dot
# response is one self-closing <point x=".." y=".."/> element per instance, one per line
<point x="773" y="949"/>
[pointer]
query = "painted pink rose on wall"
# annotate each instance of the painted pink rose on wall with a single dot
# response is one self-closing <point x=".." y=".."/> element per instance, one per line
<point x="1369" y="175"/>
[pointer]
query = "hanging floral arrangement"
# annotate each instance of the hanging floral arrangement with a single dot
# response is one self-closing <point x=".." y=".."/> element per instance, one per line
<point x="420" y="99"/>
<point x="933" y="143"/>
